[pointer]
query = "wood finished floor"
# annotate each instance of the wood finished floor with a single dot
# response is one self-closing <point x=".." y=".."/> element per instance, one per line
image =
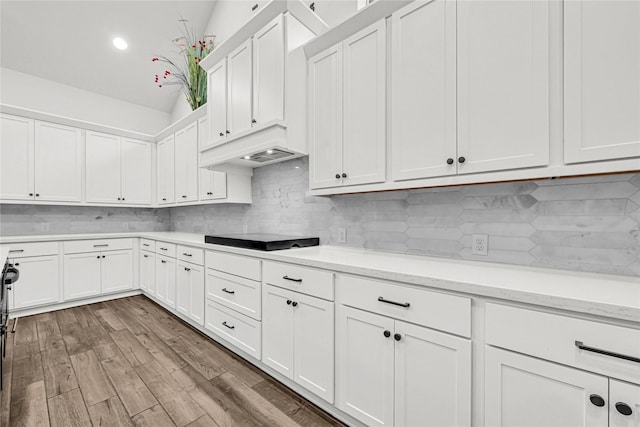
<point x="128" y="362"/>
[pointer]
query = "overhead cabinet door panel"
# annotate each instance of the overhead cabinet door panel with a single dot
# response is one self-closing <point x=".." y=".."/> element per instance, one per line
<point x="166" y="171"/>
<point x="102" y="168"/>
<point x="16" y="158"/>
<point x="217" y="102"/>
<point x="268" y="74"/>
<point x="503" y="84"/>
<point x="239" y="96"/>
<point x="136" y="172"/>
<point x="186" y="161"/>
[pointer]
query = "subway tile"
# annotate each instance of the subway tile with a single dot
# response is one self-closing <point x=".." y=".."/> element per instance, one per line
<point x="600" y="190"/>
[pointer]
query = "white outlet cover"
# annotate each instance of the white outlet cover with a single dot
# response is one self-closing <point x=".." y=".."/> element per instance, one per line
<point x="342" y="235"/>
<point x="480" y="244"/>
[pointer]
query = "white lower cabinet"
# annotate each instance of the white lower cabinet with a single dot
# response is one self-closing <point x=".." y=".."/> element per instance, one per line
<point x="238" y="329"/>
<point x="297" y="336"/>
<point x="95" y="273"/>
<point x="394" y="373"/>
<point x="38" y="283"/>
<point x="624" y="399"/>
<point x="165" y="290"/>
<point x="148" y="272"/>
<point x="190" y="291"/>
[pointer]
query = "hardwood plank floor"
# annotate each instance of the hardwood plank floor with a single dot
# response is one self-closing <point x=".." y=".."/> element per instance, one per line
<point x="128" y="362"/>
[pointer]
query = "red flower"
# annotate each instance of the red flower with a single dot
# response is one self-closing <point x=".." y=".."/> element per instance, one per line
<point x="154" y="59"/>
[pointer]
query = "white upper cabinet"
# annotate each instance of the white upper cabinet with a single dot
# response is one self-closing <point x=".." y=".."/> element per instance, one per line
<point x="118" y="170"/>
<point x="103" y="168"/>
<point x="166" y="171"/>
<point x="423" y="90"/>
<point x="347" y="111"/>
<point x="268" y="72"/>
<point x="186" y="164"/>
<point x="16" y="158"/>
<point x="601" y="80"/>
<point x="325" y="118"/>
<point x="239" y="70"/>
<point x="136" y="171"/>
<point x="211" y="184"/>
<point x="503" y="84"/>
<point x="217" y="105"/>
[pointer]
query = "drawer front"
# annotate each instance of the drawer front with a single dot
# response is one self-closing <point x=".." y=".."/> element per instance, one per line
<point x="80" y="246"/>
<point x="234" y="264"/>
<point x="236" y="293"/>
<point x="20" y="250"/>
<point x="192" y="255"/>
<point x="148" y="245"/>
<point x="239" y="330"/>
<point x="553" y="337"/>
<point x="166" y="249"/>
<point x="448" y="313"/>
<point x="317" y="283"/>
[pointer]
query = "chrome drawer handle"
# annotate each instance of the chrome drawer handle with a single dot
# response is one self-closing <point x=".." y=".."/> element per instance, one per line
<point x="228" y="326"/>
<point x="228" y="291"/>
<point x="292" y="279"/>
<point x="581" y="346"/>
<point x="101" y="246"/>
<point x="400" y="304"/>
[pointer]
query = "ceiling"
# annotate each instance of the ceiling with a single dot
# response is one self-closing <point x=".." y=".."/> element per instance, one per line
<point x="70" y="42"/>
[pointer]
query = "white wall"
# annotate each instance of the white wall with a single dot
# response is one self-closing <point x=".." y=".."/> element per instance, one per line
<point x="34" y="93"/>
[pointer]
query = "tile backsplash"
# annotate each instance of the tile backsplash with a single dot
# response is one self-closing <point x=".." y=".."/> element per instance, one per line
<point x="16" y="220"/>
<point x="589" y="224"/>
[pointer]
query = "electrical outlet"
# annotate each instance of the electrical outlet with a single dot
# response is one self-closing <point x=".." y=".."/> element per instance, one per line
<point x="125" y="225"/>
<point x="480" y="244"/>
<point x="44" y="226"/>
<point x="342" y="235"/>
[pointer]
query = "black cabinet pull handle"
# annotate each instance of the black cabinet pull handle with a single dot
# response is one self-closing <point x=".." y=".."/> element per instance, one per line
<point x="344" y="175"/>
<point x="312" y="6"/>
<point x="228" y="291"/>
<point x="228" y="132"/>
<point x="98" y="257"/>
<point x="187" y="269"/>
<point x="254" y="121"/>
<point x="228" y="326"/>
<point x="295" y="304"/>
<point x="400" y="304"/>
<point x="397" y="337"/>
<point x="146" y="256"/>
<point x="37" y="195"/>
<point x="221" y="134"/>
<point x="31" y="194"/>
<point x="163" y="249"/>
<point x="291" y="279"/>
<point x="581" y="346"/>
<point x="337" y="176"/>
<point x="100" y="246"/>
<point x="184" y="196"/>
<point x="118" y="198"/>
<point x="103" y="256"/>
<point x="449" y="161"/>
<point x="186" y="254"/>
<point x="597" y="400"/>
<point x="164" y="199"/>
<point x="17" y="264"/>
<point x="624" y="409"/>
<point x="289" y="302"/>
<point x="387" y="334"/>
<point x="461" y="159"/>
<point x="145" y="244"/>
<point x="16" y="250"/>
<point x="163" y="261"/>
<point x="255" y="6"/>
<point x="123" y="199"/>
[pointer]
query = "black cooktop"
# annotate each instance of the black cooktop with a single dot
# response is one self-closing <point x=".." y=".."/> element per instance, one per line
<point x="262" y="242"/>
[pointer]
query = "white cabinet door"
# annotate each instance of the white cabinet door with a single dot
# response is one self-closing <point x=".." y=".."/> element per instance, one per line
<point x="364" y="139"/>
<point x="166" y="171"/>
<point x="190" y="291"/>
<point x="325" y="118"/>
<point x="503" y="84"/>
<point x="624" y="404"/>
<point x="432" y="378"/>
<point x="102" y="168"/>
<point x="601" y="80"/>
<point x="268" y="72"/>
<point x="313" y="345"/>
<point x="213" y="185"/>
<point x="365" y="366"/>
<point x="277" y="329"/>
<point x="166" y="280"/>
<point x="525" y="391"/>
<point x="82" y="277"/>
<point x="423" y="90"/>
<point x="16" y="158"/>
<point x="148" y="272"/>
<point x="187" y="164"/>
<point x="39" y="281"/>
<point x="203" y="133"/>
<point x="239" y="97"/>
<point x="117" y="271"/>
<point x="183" y="294"/>
<point x="217" y="102"/>
<point x="58" y="163"/>
<point x="135" y="157"/>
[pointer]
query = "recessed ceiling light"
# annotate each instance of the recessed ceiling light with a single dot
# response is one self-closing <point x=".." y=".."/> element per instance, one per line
<point x="120" y="43"/>
<point x="247" y="157"/>
<point x="269" y="151"/>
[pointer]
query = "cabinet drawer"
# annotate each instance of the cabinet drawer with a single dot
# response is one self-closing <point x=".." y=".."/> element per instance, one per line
<point x="234" y="264"/>
<point x="317" y="283"/>
<point x="148" y="245"/>
<point x="240" y="330"/>
<point x="166" y="249"/>
<point x="20" y="250"/>
<point x="189" y="254"/>
<point x="236" y="293"/>
<point x="80" y="246"/>
<point x="553" y="337"/>
<point x="435" y="310"/>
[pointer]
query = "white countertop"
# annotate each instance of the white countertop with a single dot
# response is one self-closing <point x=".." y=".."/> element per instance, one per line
<point x="598" y="294"/>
